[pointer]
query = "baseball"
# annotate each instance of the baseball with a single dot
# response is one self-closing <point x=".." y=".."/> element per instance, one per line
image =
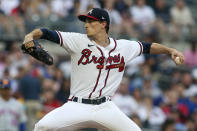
<point x="178" y="61"/>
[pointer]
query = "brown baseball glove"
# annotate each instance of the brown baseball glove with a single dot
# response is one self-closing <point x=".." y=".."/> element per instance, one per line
<point x="34" y="49"/>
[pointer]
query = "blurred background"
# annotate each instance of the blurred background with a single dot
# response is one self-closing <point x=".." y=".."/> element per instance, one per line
<point x="155" y="93"/>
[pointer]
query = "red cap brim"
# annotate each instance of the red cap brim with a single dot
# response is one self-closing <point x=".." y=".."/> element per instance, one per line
<point x="84" y="17"/>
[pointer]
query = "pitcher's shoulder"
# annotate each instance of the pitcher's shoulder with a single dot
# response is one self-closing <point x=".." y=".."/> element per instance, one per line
<point x="80" y="36"/>
<point x="71" y="33"/>
<point x="124" y="42"/>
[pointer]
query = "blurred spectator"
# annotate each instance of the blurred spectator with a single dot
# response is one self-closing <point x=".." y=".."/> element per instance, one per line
<point x="173" y="109"/>
<point x="75" y="10"/>
<point x="194" y="117"/>
<point x="128" y="3"/>
<point x="176" y="75"/>
<point x="39" y="9"/>
<point x="152" y="36"/>
<point x="48" y="84"/>
<point x="123" y="100"/>
<point x="13" y="83"/>
<point x="16" y="58"/>
<point x="145" y="70"/>
<point x="168" y="125"/>
<point x="19" y="16"/>
<point x="190" y="124"/>
<point x="192" y="89"/>
<point x="190" y="55"/>
<point x="64" y="91"/>
<point x="186" y="79"/>
<point x="150" y="87"/>
<point x="65" y="67"/>
<point x="16" y="22"/>
<point x="137" y="95"/>
<point x="136" y="119"/>
<point x="162" y="11"/>
<point x="182" y="19"/>
<point x="20" y="9"/>
<point x="179" y="89"/>
<point x="86" y="5"/>
<point x="127" y="29"/>
<point x="58" y="78"/>
<point x="61" y="7"/>
<point x="49" y="101"/>
<point x="2" y="63"/>
<point x="115" y="18"/>
<point x="4" y="24"/>
<point x="143" y="15"/>
<point x="120" y="6"/>
<point x="12" y="113"/>
<point x="182" y="99"/>
<point x="181" y="14"/>
<point x="8" y="5"/>
<point x="150" y="116"/>
<point x="30" y="87"/>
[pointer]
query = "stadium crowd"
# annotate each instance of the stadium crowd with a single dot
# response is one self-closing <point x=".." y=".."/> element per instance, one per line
<point x="155" y="93"/>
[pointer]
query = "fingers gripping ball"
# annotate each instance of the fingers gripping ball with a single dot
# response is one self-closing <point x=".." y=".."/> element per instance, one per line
<point x="34" y="49"/>
<point x="178" y="61"/>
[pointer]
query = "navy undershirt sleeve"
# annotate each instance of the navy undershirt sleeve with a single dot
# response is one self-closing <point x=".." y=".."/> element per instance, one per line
<point x="50" y="35"/>
<point x="146" y="47"/>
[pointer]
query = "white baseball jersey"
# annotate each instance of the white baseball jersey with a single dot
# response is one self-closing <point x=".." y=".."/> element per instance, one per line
<point x="11" y="115"/>
<point x="97" y="71"/>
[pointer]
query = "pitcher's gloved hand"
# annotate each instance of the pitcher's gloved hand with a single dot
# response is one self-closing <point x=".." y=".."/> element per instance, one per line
<point x="35" y="50"/>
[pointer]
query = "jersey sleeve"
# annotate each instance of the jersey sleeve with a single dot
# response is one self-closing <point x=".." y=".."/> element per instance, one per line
<point x="132" y="49"/>
<point x="135" y="48"/>
<point x="70" y="41"/>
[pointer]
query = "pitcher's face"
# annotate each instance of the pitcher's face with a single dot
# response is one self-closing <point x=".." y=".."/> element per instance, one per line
<point x="93" y="27"/>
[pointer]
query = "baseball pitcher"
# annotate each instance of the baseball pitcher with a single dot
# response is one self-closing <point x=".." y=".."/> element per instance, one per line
<point x="98" y="62"/>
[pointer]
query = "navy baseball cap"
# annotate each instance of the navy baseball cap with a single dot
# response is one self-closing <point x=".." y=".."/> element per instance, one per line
<point x="5" y="84"/>
<point x="97" y="14"/>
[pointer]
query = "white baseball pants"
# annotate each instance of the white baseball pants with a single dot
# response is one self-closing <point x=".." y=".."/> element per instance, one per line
<point x="73" y="116"/>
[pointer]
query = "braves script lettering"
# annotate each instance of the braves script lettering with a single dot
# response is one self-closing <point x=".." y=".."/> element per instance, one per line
<point x="86" y="58"/>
